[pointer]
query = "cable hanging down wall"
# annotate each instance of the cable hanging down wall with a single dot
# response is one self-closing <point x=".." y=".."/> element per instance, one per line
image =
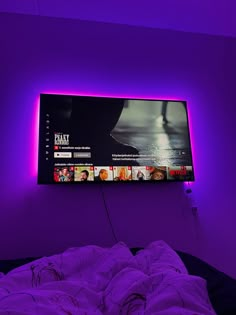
<point x="108" y="214"/>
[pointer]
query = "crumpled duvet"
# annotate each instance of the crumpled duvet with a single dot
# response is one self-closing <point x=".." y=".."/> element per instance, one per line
<point x="93" y="280"/>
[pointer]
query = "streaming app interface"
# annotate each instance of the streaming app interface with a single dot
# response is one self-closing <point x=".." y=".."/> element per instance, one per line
<point x="92" y="139"/>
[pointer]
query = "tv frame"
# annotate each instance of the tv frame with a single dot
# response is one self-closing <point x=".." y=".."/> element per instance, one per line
<point x="118" y="182"/>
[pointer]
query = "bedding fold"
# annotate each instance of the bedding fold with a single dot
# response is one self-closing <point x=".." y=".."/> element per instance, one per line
<point x="95" y="280"/>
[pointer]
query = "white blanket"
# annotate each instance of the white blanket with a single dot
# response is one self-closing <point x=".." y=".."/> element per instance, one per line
<point x="93" y="280"/>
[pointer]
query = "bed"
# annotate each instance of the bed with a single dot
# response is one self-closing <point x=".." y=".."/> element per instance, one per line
<point x="47" y="285"/>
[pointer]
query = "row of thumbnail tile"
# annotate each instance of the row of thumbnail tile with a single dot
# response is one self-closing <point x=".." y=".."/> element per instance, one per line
<point x="81" y="173"/>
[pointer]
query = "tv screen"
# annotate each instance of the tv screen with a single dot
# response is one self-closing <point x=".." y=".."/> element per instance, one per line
<point x="85" y="139"/>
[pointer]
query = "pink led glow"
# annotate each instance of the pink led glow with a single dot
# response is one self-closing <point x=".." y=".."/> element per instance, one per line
<point x="35" y="138"/>
<point x="191" y="141"/>
<point x="73" y="93"/>
<point x="130" y="96"/>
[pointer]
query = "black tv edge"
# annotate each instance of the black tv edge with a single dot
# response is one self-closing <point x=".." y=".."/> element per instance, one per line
<point x="87" y="139"/>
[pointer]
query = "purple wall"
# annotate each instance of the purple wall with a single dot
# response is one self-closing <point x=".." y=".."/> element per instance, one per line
<point x="58" y="55"/>
<point x="198" y="16"/>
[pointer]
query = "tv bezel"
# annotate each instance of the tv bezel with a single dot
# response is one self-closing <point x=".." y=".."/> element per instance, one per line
<point x="118" y="182"/>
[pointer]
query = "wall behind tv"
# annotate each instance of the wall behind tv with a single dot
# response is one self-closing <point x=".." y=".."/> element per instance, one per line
<point x="43" y="55"/>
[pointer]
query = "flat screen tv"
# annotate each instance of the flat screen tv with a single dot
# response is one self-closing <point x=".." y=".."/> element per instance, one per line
<point x="87" y="139"/>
